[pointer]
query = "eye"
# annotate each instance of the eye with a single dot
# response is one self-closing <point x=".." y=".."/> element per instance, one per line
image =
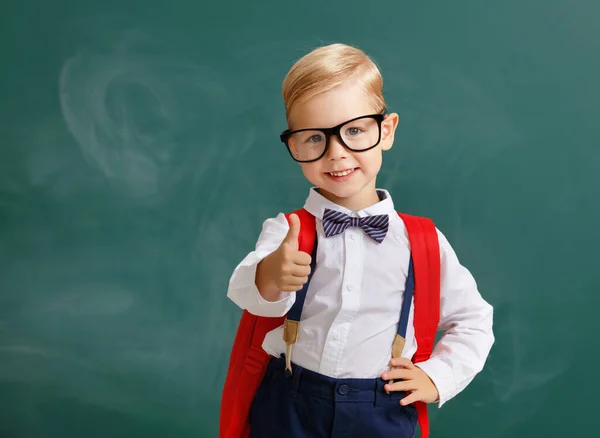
<point x="317" y="138"/>
<point x="352" y="131"/>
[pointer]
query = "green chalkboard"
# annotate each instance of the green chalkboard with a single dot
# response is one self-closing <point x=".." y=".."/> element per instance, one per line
<point x="139" y="155"/>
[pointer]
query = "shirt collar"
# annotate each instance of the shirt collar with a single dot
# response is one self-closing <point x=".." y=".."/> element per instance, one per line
<point x="316" y="204"/>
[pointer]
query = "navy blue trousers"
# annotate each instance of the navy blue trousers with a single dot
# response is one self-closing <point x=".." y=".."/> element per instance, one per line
<point x="310" y="405"/>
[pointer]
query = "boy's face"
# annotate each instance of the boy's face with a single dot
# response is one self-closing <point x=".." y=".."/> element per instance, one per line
<point x="345" y="177"/>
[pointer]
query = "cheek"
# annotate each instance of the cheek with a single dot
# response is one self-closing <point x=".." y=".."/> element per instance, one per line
<point x="371" y="160"/>
<point x="311" y="171"/>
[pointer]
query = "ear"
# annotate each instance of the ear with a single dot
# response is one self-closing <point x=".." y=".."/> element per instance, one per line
<point x="388" y="128"/>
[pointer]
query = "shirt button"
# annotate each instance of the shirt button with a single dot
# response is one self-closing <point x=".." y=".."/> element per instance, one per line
<point x="343" y="389"/>
<point x="336" y="336"/>
<point x="349" y="287"/>
<point x="352" y="237"/>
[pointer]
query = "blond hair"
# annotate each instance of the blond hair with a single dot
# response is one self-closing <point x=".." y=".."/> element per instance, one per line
<point x="327" y="67"/>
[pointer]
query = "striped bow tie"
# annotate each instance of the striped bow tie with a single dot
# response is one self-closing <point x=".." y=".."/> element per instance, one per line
<point x="335" y="222"/>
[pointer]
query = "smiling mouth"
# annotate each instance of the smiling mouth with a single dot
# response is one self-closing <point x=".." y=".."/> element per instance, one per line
<point x="342" y="173"/>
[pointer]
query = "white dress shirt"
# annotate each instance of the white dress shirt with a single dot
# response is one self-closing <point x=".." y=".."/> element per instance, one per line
<point x="353" y="302"/>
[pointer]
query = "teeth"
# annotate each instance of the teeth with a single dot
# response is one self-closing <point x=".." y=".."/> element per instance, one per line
<point x="344" y="173"/>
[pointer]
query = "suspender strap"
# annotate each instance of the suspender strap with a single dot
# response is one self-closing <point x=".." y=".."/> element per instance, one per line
<point x="307" y="242"/>
<point x="400" y="338"/>
<point x="291" y="325"/>
<point x="408" y="296"/>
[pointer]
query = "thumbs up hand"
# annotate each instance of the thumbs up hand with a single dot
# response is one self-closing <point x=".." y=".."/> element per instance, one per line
<point x="286" y="269"/>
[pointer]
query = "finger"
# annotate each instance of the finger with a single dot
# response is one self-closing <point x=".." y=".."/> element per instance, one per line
<point x="300" y="271"/>
<point x="301" y="258"/>
<point x="291" y="238"/>
<point x="402" y="362"/>
<point x="290" y="287"/>
<point x="411" y="398"/>
<point x="404" y="385"/>
<point x="293" y="270"/>
<point x="398" y="374"/>
<point x="293" y="280"/>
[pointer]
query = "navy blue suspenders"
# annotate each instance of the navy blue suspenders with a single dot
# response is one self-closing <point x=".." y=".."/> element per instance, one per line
<point x="292" y="321"/>
<point x="409" y="291"/>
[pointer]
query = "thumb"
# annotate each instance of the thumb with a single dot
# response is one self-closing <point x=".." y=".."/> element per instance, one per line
<point x="292" y="236"/>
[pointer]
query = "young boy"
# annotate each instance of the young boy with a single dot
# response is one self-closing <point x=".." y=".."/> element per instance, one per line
<point x="339" y="378"/>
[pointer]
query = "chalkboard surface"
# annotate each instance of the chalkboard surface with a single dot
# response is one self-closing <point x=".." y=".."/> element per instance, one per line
<point x="139" y="155"/>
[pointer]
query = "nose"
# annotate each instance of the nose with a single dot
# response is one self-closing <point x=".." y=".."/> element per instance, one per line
<point x="336" y="150"/>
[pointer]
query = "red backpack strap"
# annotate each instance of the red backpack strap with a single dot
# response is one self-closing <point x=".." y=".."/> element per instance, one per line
<point x="308" y="230"/>
<point x="425" y="249"/>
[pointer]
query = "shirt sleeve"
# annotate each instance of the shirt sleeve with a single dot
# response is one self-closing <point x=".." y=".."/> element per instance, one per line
<point x="242" y="286"/>
<point x="466" y="318"/>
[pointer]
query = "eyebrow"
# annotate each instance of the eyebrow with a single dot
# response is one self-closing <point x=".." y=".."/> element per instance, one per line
<point x="290" y="128"/>
<point x="319" y="127"/>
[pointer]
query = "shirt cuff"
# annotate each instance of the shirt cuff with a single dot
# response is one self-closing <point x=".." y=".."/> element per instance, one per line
<point x="243" y="292"/>
<point x="441" y="375"/>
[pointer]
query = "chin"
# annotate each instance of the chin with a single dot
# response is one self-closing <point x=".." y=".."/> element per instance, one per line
<point x="341" y="192"/>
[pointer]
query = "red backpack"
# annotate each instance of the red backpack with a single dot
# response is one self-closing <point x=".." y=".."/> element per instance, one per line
<point x="248" y="360"/>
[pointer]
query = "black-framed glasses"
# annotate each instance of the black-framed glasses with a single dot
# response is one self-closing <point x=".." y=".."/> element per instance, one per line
<point x="310" y="144"/>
